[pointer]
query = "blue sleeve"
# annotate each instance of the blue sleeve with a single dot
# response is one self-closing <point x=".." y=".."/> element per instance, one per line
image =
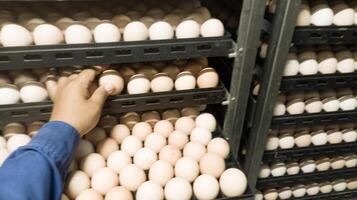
<point x="37" y="170"/>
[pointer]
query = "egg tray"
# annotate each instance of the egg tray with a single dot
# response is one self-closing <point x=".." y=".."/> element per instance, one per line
<point x="311" y="35"/>
<point x="302" y="178"/>
<point x="344" y="195"/>
<point x="311" y="151"/>
<point x="28" y="112"/>
<point x="302" y="120"/>
<point x="318" y="82"/>
<point x="108" y="53"/>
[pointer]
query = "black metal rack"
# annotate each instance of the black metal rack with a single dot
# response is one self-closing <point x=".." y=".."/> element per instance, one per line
<point x="311" y="151"/>
<point x="110" y="53"/>
<point x="311" y="35"/>
<point x="347" y="194"/>
<point x="307" y="178"/>
<point x="318" y="82"/>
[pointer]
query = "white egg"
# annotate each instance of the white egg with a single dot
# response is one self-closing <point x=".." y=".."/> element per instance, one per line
<point x="219" y="146"/>
<point x="163" y="127"/>
<point x="327" y="62"/>
<point x="330" y="104"/>
<point x="206" y="120"/>
<point x="178" y="189"/>
<point x="106" y="32"/>
<point x="270" y="194"/>
<point x="16" y="141"/>
<point x="15" y="35"/>
<point x="119" y="133"/>
<point x="141" y="130"/>
<point x="77" y="34"/>
<point x="323" y="164"/>
<point x="334" y="136"/>
<point x="160" y="31"/>
<point x="322" y="14"/>
<point x="279" y="109"/>
<point x="135" y="31"/>
<point x="264" y="171"/>
<point x="195" y="150"/>
<point x="9" y="94"/>
<point x="292" y="65"/>
<point x="185" y="81"/>
<point x="33" y="92"/>
<point x="187" y="168"/>
<point x="308" y="166"/>
<point x="212" y="28"/>
<point x="201" y="135"/>
<point x="89" y="194"/>
<point x="297" y="106"/>
<point x="308" y="64"/>
<point x="299" y="191"/>
<point x="131" y="145"/>
<point x="131" y="177"/>
<point x="212" y="164"/>
<point x="104" y="179"/>
<point x="119" y="192"/>
<point x="161" y="83"/>
<point x="292" y="168"/>
<point x="227" y="180"/>
<point x="352" y="184"/>
<point x="188" y="29"/>
<point x="77" y="182"/>
<point x="325" y="187"/>
<point x="346" y="63"/>
<point x="304" y="16"/>
<point x="149" y="190"/>
<point x="319" y="138"/>
<point x="286" y="141"/>
<point x="92" y="163"/>
<point x="344" y="15"/>
<point x="349" y="135"/>
<point x="272" y="143"/>
<point x="41" y="33"/>
<point x="312" y="189"/>
<point x="351" y="161"/>
<point x="337" y="162"/>
<point x="278" y="169"/>
<point x="178" y="139"/>
<point x="303" y="139"/>
<point x="185" y="124"/>
<point x="285" y="193"/>
<point x="339" y="185"/>
<point x="118" y="160"/>
<point x="161" y="172"/>
<point x="144" y="158"/>
<point x="206" y="187"/>
<point x="155" y="142"/>
<point x="138" y="84"/>
<point x="170" y="154"/>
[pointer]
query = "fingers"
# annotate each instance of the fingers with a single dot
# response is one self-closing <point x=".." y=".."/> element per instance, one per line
<point x="86" y="77"/>
<point x="101" y="93"/>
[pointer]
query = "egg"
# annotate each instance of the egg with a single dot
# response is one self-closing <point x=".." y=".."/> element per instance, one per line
<point x="349" y="135"/>
<point x="178" y="139"/>
<point x="170" y="154"/>
<point x="15" y="35"/>
<point x="212" y="28"/>
<point x="130" y="119"/>
<point x="95" y="135"/>
<point x="77" y="34"/>
<point x="155" y="142"/>
<point x="298" y="191"/>
<point x="286" y="141"/>
<point x="272" y="143"/>
<point x="77" y="182"/>
<point x="161" y="172"/>
<point x="92" y="163"/>
<point x="207" y="78"/>
<point x="292" y="65"/>
<point x="194" y="150"/>
<point x="201" y="135"/>
<point x="106" y="32"/>
<point x="334" y="136"/>
<point x="9" y="94"/>
<point x="138" y="84"/>
<point x="227" y="180"/>
<point x="307" y="165"/>
<point x="16" y="141"/>
<point x="319" y="138"/>
<point x="41" y="32"/>
<point x="278" y="169"/>
<point x="126" y="72"/>
<point x="339" y="185"/>
<point x="279" y="109"/>
<point x="351" y="160"/>
<point x="285" y="193"/>
<point x="345" y="62"/>
<point x="84" y="148"/>
<point x="330" y="104"/>
<point x="89" y="194"/>
<point x="33" y="92"/>
<point x="106" y="147"/>
<point x="185" y="81"/>
<point x="178" y="189"/>
<point x="322" y="14"/>
<point x="161" y="82"/>
<point x="264" y="171"/>
<point x="292" y="168"/>
<point x="150" y="190"/>
<point x="135" y="31"/>
<point x="141" y="130"/>
<point x="113" y="78"/>
<point x="144" y="158"/>
<point x="323" y="164"/>
<point x="352" y="184"/>
<point x="344" y="15"/>
<point x="304" y="16"/>
<point x="295" y="107"/>
<point x="206" y="187"/>
<point x="119" y="133"/>
<point x="131" y="145"/>
<point x="131" y="177"/>
<point x="104" y="179"/>
<point x="271" y="194"/>
<point x="325" y="187"/>
<point x="118" y="160"/>
<point x="212" y="164"/>
<point x="327" y="62"/>
<point x="163" y="127"/>
<point x="337" y="162"/>
<point x="188" y="29"/>
<point x="161" y="30"/>
<point x="119" y="192"/>
<point x="185" y="124"/>
<point x="187" y="168"/>
<point x="308" y="64"/>
<point x="312" y="189"/>
<point x="303" y="139"/>
<point x="313" y="105"/>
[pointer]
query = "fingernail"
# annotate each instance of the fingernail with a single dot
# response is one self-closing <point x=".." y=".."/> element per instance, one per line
<point x="109" y="88"/>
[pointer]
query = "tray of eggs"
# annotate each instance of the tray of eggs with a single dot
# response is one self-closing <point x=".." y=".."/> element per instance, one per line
<point x="333" y="189"/>
<point x="174" y="157"/>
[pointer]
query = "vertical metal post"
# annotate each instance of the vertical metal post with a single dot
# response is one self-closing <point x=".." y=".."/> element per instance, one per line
<point x="247" y="46"/>
<point x="279" y="43"/>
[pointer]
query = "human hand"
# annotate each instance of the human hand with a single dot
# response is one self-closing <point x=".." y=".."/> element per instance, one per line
<point x="79" y="101"/>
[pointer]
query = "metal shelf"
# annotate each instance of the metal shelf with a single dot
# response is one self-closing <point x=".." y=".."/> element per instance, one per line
<point x="307" y="178"/>
<point x="312" y="35"/>
<point x="27" y="112"/>
<point x="344" y="195"/>
<point x="298" y="153"/>
<point x="313" y="119"/>
<point x="318" y="82"/>
<point x="108" y="53"/>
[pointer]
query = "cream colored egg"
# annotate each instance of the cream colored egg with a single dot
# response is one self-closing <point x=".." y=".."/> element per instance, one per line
<point x="77" y="182"/>
<point x="9" y="94"/>
<point x="323" y="164"/>
<point x="89" y="194"/>
<point x="131" y="145"/>
<point x="92" y="163"/>
<point x="144" y="158"/>
<point x="351" y="160"/>
<point x="17" y="141"/>
<point x="279" y="109"/>
<point x="264" y="171"/>
<point x="352" y="184"/>
<point x="286" y="141"/>
<point x="119" y="133"/>
<point x="135" y="31"/>
<point x="96" y="135"/>
<point x="185" y="81"/>
<point x="330" y="104"/>
<point x="334" y="136"/>
<point x="271" y="194"/>
<point x="185" y="124"/>
<point x="33" y="92"/>
<point x="84" y="148"/>
<point x="104" y="179"/>
<point x="194" y="150"/>
<point x="161" y="30"/>
<point x="188" y="29"/>
<point x="155" y="142"/>
<point x="178" y="189"/>
<point x="337" y="162"/>
<point x="349" y="135"/>
<point x="339" y="185"/>
<point x="118" y="160"/>
<point x="77" y="34"/>
<point x="312" y="189"/>
<point x="212" y="28"/>
<point x="15" y="35"/>
<point x="170" y="154"/>
<point x="207" y="78"/>
<point x="138" y="84"/>
<point x="325" y="187"/>
<point x="119" y="192"/>
<point x="206" y="120"/>
<point x="106" y="147"/>
<point x="285" y="193"/>
<point x="303" y="139"/>
<point x="308" y="64"/>
<point x="219" y="146"/>
<point x="187" y="168"/>
<point x="201" y="135"/>
<point x="41" y="33"/>
<point x="178" y="139"/>
<point x="212" y="164"/>
<point x="298" y="191"/>
<point x="206" y="187"/>
<point x="228" y="179"/>
<point x="304" y="16"/>
<point x="131" y="177"/>
<point x="161" y="172"/>
<point x="113" y="78"/>
<point x="150" y="190"/>
<point x="278" y="169"/>
<point x="292" y="168"/>
<point x="313" y="105"/>
<point x="296" y="106"/>
<point x="322" y="14"/>
<point x="272" y="143"/>
<point x="141" y="130"/>
<point x="161" y="83"/>
<point x="106" y="32"/>
<point x="163" y="127"/>
<point x="291" y="65"/>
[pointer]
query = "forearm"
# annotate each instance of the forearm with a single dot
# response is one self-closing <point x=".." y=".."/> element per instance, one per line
<point x="37" y="170"/>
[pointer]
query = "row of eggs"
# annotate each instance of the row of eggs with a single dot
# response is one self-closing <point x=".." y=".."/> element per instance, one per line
<point x="316" y="136"/>
<point x="84" y="28"/>
<point x="308" y="165"/>
<point x="310" y="62"/>
<point x="327" y="13"/>
<point x="308" y="189"/>
<point x="297" y="102"/>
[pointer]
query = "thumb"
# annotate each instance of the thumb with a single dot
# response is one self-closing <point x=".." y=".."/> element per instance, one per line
<point x="101" y="93"/>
